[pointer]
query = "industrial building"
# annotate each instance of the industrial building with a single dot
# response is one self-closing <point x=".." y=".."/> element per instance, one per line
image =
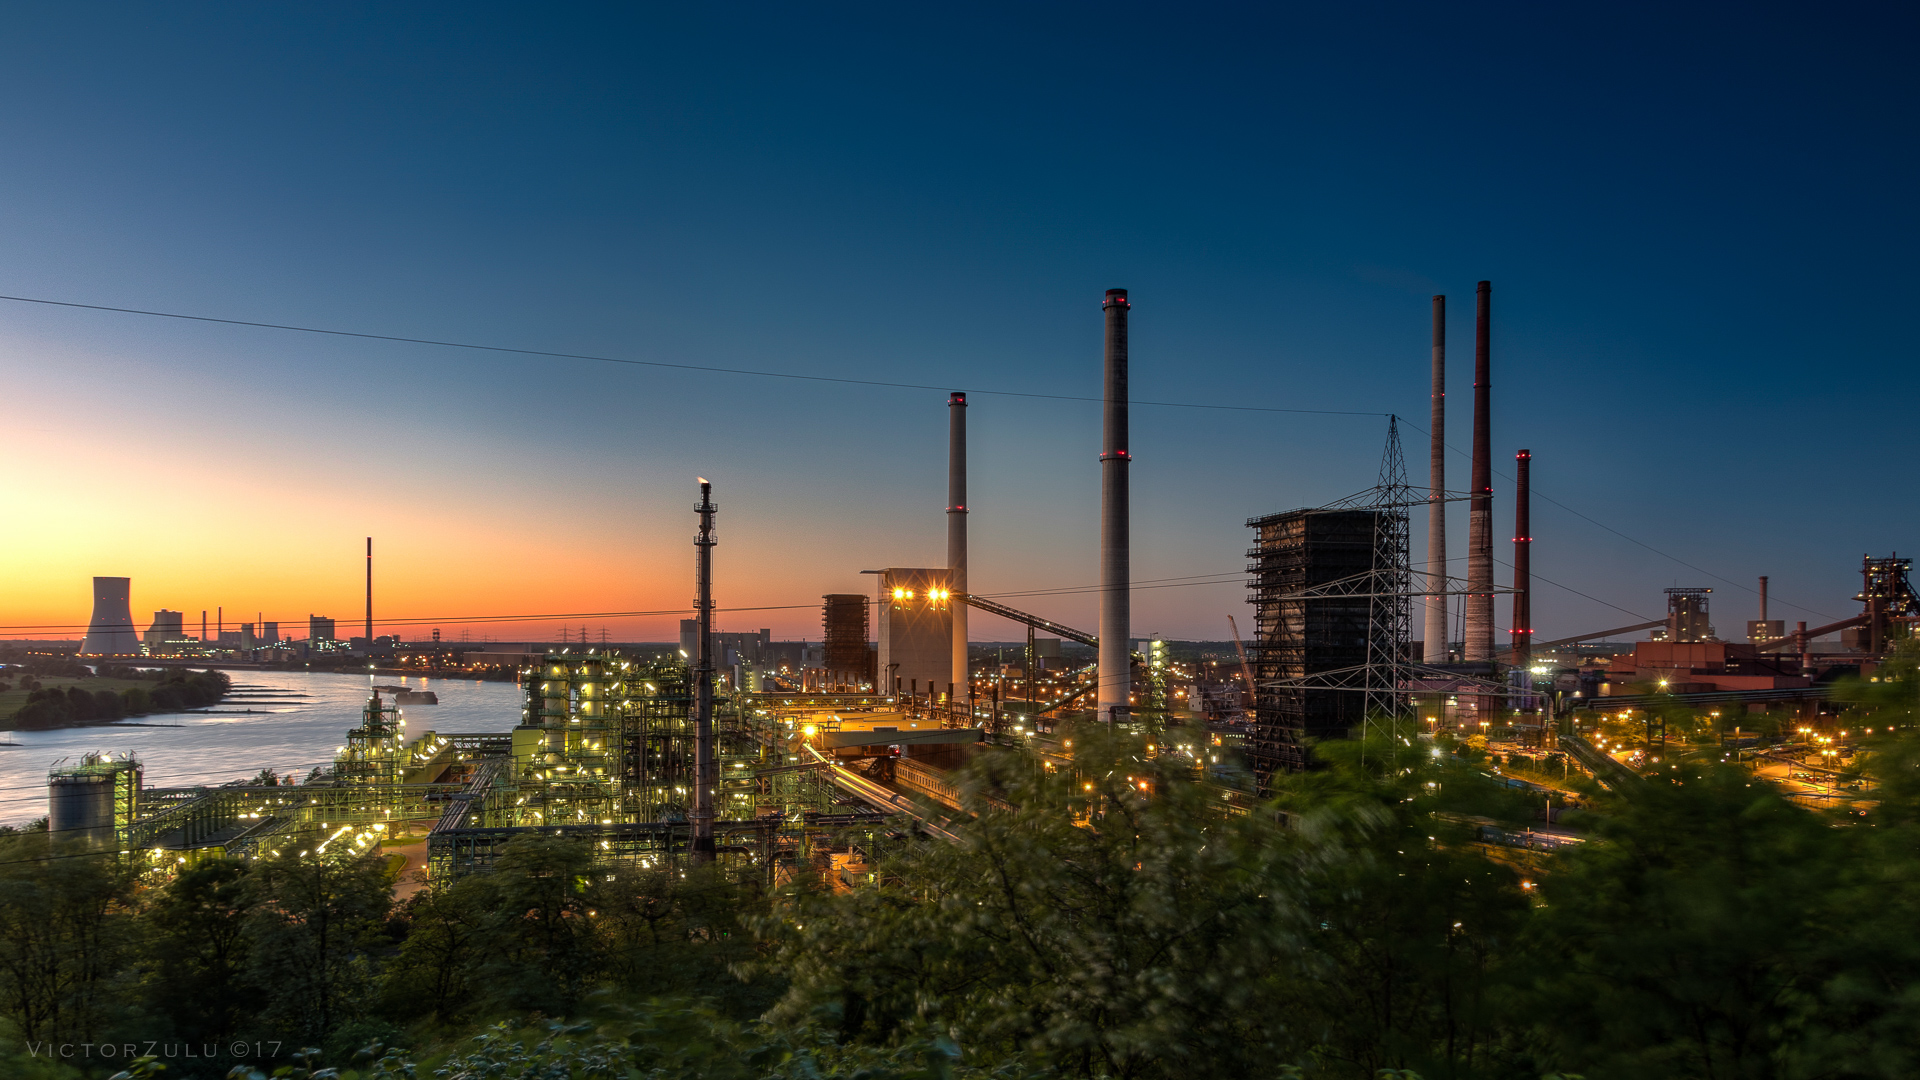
<point x="916" y="630"/>
<point x="166" y="634"/>
<point x="846" y="660"/>
<point x="1299" y="636"/>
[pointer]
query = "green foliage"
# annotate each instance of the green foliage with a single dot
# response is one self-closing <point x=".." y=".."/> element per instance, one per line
<point x="62" y="937"/>
<point x="309" y="931"/>
<point x="1891" y="695"/>
<point x="1405" y="925"/>
<point x="547" y="928"/>
<point x="1115" y="923"/>
<point x="1718" y="930"/>
<point x="1109" y="917"/>
<point x="540" y="955"/>
<point x="199" y="951"/>
<point x="1099" y="929"/>
<point x="677" y="930"/>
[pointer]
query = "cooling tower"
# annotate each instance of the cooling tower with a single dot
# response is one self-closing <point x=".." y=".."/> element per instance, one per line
<point x="110" y="632"/>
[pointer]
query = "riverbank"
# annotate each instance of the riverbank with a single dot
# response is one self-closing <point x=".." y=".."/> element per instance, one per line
<point x="491" y="673"/>
<point x="299" y="720"/>
<point x="46" y="703"/>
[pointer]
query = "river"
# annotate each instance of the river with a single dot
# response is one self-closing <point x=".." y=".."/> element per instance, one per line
<point x="297" y="718"/>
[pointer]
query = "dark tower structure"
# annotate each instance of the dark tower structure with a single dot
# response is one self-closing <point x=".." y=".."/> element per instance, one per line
<point x="846" y="656"/>
<point x="369" y="594"/>
<point x="1479" y="644"/>
<point x="1116" y="603"/>
<point x="1522" y="559"/>
<point x="1434" y="629"/>
<point x="1887" y="595"/>
<point x="1687" y="615"/>
<point x="1297" y="638"/>
<point x="704" y="778"/>
<point x="957" y="533"/>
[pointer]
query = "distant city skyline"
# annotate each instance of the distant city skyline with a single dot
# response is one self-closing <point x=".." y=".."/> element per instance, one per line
<point x="1697" y="235"/>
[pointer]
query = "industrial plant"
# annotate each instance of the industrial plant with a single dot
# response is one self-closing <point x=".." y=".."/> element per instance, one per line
<point x="707" y="754"/>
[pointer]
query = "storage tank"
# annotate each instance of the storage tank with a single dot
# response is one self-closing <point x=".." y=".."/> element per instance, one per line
<point x="80" y="806"/>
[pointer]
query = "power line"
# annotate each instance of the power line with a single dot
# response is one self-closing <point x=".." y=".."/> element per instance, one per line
<point x="655" y="363"/>
<point x="1576" y="592"/>
<point x="845" y="381"/>
<point x="478" y="620"/>
<point x="1632" y="540"/>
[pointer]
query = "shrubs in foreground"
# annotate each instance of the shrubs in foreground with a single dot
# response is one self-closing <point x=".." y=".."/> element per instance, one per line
<point x="1113" y="924"/>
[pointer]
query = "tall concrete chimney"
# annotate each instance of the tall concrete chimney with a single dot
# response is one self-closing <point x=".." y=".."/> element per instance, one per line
<point x="1522" y="559"/>
<point x="1116" y="676"/>
<point x="369" y="594"/>
<point x="957" y="535"/>
<point x="705" y="775"/>
<point x="1436" y="627"/>
<point x="1763" y="599"/>
<point x="1480" y="497"/>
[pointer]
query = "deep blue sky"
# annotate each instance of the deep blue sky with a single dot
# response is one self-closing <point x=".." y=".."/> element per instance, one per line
<point x="1699" y="225"/>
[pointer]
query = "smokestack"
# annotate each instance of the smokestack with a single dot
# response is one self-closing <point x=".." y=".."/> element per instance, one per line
<point x="1116" y="676"/>
<point x="203" y="627"/>
<point x="704" y="778"/>
<point x="957" y="531"/>
<point x="1763" y="600"/>
<point x="369" y="594"/>
<point x="1522" y="560"/>
<point x="1480" y="504"/>
<point x="1436" y="628"/>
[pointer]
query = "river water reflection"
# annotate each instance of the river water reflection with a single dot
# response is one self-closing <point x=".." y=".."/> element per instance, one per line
<point x="297" y="718"/>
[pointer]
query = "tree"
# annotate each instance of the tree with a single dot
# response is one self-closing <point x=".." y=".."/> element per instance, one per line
<point x="448" y="932"/>
<point x="312" y="923"/>
<point x="666" y="930"/>
<point x="64" y="930"/>
<point x="200" y="950"/>
<point x="1113" y="923"/>
<point x="1406" y="926"/>
<point x="1692" y="937"/>
<point x="542" y="952"/>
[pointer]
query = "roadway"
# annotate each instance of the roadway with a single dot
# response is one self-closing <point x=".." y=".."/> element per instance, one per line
<point x="880" y="796"/>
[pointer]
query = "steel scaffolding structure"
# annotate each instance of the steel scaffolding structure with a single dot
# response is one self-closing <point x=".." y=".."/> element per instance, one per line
<point x="1332" y="589"/>
<point x="843" y="619"/>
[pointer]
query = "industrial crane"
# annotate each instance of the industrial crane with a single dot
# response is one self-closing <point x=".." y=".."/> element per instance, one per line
<point x="1246" y="669"/>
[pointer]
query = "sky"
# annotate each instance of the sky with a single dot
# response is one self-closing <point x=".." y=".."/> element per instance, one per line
<point x="1698" y="222"/>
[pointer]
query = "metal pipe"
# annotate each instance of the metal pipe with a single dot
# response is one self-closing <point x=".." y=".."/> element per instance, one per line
<point x="1522" y="560"/>
<point x="1479" y="630"/>
<point x="1435" y="651"/>
<point x="957" y="529"/>
<point x="704" y="779"/>
<point x="1116" y="677"/>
